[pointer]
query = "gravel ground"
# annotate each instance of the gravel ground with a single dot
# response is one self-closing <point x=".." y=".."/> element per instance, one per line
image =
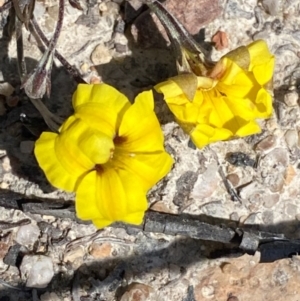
<point x="43" y="257"/>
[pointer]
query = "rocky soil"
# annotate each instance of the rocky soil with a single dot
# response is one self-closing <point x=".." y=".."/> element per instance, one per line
<point x="46" y="257"/>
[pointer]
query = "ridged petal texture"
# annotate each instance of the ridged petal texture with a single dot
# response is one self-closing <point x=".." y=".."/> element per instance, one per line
<point x="110" y="153"/>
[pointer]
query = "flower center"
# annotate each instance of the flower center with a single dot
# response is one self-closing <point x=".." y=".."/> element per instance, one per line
<point x="119" y="140"/>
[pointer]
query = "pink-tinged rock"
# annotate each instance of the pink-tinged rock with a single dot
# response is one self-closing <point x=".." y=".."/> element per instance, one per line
<point x="207" y="183"/>
<point x="220" y="40"/>
<point x="267" y="144"/>
<point x="246" y="279"/>
<point x="139" y="292"/>
<point x="194" y="14"/>
<point x="234" y="179"/>
<point x="101" y="251"/>
<point x="148" y="31"/>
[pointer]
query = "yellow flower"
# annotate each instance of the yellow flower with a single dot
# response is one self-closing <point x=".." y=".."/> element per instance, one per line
<point x="227" y="101"/>
<point x="109" y="152"/>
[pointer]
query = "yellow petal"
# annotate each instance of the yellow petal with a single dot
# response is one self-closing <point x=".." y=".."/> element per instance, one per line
<point x="150" y="168"/>
<point x="188" y="113"/>
<point x="116" y="195"/>
<point x="67" y="147"/>
<point x="46" y="156"/>
<point x="140" y="130"/>
<point x="170" y="89"/>
<point x="100" y="94"/>
<point x="250" y="128"/>
<point x="220" y="113"/>
<point x="204" y="134"/>
<point x="242" y="107"/>
<point x="262" y="61"/>
<point x="86" y="198"/>
<point x="259" y="53"/>
<point x="263" y="103"/>
<point x="264" y="73"/>
<point x="100" y="106"/>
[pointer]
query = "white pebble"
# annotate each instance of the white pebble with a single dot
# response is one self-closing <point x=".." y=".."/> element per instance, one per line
<point x="208" y="291"/>
<point x="291" y="99"/>
<point x="37" y="270"/>
<point x="6" y="89"/>
<point x="27" y="235"/>
<point x="49" y="297"/>
<point x="291" y="138"/>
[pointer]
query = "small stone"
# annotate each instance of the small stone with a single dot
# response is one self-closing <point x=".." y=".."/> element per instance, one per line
<point x="270" y="200"/>
<point x="75" y="255"/>
<point x="272" y="7"/>
<point x="234" y="179"/>
<point x="138" y="292"/>
<point x="190" y="12"/>
<point x="291" y="209"/>
<point x="267" y="144"/>
<point x="37" y="270"/>
<point x="111" y="9"/>
<point x="289" y="175"/>
<point x="291" y="139"/>
<point x="101" y="55"/>
<point x="6" y="89"/>
<point x="206" y="183"/>
<point x="230" y="269"/>
<point x="291" y="99"/>
<point x="184" y="185"/>
<point x="161" y="206"/>
<point x="208" y="291"/>
<point x="220" y="40"/>
<point x="102" y="7"/>
<point x="268" y="217"/>
<point x="278" y="156"/>
<point x="3" y="249"/>
<point x="234" y="216"/>
<point x="95" y="80"/>
<point x="49" y="297"/>
<point x="27" y="235"/>
<point x="248" y="219"/>
<point x="252" y="190"/>
<point x="85" y="68"/>
<point x="26" y="147"/>
<point x="101" y="251"/>
<point x="120" y="38"/>
<point x="271" y="124"/>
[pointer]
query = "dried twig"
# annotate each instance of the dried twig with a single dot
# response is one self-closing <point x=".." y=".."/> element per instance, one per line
<point x="185" y="225"/>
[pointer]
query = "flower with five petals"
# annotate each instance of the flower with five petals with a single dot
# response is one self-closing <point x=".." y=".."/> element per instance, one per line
<point x="109" y="152"/>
